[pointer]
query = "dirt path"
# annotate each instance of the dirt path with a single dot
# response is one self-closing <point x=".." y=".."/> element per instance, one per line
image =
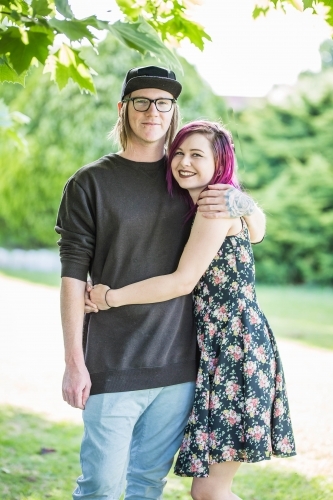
<point x="31" y="367"/>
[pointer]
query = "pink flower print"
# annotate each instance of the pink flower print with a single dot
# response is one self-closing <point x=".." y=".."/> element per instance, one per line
<point x="232" y="417"/>
<point x="228" y="453"/>
<point x="260" y="354"/>
<point x="212" y="440"/>
<point x="200" y="339"/>
<point x="278" y="382"/>
<point x="219" y="276"/>
<point x="256" y="432"/>
<point x="212" y="365"/>
<point x="196" y="464"/>
<point x="231" y="259"/>
<point x="254" y="317"/>
<point x="278" y="408"/>
<point x="247" y="342"/>
<point x="214" y="402"/>
<point x="251" y="405"/>
<point x="200" y="379"/>
<point x="231" y="389"/>
<point x="266" y="417"/>
<point x="263" y="380"/>
<point x="206" y="399"/>
<point x="198" y="304"/>
<point x="186" y="443"/>
<point x="244" y="255"/>
<point x="193" y="417"/>
<point x="235" y="352"/>
<point x="206" y="318"/>
<point x="284" y="445"/>
<point x="221" y="313"/>
<point x="205" y="290"/>
<point x="201" y="439"/>
<point x="217" y="376"/>
<point x="273" y="367"/>
<point x="236" y="325"/>
<point x="241" y="305"/>
<point x="212" y="327"/>
<point x="272" y="393"/>
<point x="247" y="290"/>
<point x="250" y="368"/>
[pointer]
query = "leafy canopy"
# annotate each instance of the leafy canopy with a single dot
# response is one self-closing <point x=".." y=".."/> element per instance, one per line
<point x="262" y="7"/>
<point x="29" y="29"/>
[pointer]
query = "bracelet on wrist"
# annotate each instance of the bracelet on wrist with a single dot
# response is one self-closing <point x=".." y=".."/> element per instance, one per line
<point x="106" y="302"/>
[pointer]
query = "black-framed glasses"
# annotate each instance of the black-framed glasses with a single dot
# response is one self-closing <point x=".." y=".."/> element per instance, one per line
<point x="143" y="103"/>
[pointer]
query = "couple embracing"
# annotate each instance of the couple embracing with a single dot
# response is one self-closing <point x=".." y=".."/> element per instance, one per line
<point x="154" y="367"/>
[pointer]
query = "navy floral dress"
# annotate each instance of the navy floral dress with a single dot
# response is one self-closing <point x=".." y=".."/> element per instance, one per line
<point x="240" y="410"/>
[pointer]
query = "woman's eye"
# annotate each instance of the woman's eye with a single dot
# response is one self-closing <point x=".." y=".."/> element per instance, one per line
<point x="178" y="153"/>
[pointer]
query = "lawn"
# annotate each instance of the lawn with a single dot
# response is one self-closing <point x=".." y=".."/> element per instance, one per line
<point x="29" y="470"/>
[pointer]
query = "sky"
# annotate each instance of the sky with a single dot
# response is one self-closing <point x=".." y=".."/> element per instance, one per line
<point x="246" y="57"/>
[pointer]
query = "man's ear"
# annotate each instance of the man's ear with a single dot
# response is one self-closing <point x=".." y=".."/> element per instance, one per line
<point x="120" y="105"/>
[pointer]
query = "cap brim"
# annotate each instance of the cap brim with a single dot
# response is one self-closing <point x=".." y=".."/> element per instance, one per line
<point x="153" y="82"/>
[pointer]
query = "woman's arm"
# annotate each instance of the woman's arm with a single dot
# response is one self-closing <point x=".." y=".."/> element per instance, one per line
<point x="206" y="238"/>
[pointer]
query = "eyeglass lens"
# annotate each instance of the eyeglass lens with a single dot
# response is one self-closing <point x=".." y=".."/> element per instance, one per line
<point x="142" y="104"/>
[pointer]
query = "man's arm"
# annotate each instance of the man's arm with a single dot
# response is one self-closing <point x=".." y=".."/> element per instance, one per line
<point x="76" y="382"/>
<point x="225" y="201"/>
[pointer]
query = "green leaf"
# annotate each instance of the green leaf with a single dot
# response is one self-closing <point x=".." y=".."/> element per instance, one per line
<point x="73" y="29"/>
<point x="181" y="28"/>
<point x="307" y="3"/>
<point x="259" y="10"/>
<point x="66" y="63"/>
<point x="131" y="11"/>
<point x="143" y="38"/>
<point x="64" y="9"/>
<point x="41" y="7"/>
<point x="21" y="53"/>
<point x="8" y="74"/>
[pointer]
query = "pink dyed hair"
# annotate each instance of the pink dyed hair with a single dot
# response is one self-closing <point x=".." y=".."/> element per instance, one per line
<point x="223" y="150"/>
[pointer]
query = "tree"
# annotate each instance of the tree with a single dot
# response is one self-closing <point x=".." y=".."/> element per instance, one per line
<point x="29" y="29"/>
<point x="68" y="130"/>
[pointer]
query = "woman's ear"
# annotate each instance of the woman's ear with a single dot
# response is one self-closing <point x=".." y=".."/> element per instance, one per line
<point x="120" y="105"/>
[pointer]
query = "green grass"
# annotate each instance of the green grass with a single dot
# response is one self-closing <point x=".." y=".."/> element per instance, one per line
<point x="50" y="279"/>
<point x="299" y="313"/>
<point x="25" y="474"/>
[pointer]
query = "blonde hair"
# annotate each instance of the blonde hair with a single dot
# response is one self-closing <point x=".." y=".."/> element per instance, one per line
<point x="121" y="131"/>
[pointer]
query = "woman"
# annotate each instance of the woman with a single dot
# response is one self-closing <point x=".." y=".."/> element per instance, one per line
<point x="240" y="412"/>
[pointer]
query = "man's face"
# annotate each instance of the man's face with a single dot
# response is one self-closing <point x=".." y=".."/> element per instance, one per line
<point x="149" y="126"/>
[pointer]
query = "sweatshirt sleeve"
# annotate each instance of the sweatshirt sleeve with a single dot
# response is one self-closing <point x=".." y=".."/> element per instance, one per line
<point x="76" y="226"/>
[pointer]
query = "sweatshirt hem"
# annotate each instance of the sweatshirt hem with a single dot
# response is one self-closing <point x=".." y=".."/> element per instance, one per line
<point x="143" y="378"/>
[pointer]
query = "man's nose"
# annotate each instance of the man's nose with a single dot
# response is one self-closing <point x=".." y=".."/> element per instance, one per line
<point x="152" y="109"/>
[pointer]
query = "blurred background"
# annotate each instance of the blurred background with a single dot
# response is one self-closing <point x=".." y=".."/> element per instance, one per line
<point x="270" y="81"/>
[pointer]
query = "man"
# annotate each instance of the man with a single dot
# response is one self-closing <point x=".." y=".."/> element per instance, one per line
<point x="135" y="376"/>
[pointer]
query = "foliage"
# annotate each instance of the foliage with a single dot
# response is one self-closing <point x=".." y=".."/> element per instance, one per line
<point x="29" y="34"/>
<point x="288" y="150"/>
<point x="10" y="125"/>
<point x="26" y="474"/>
<point x="69" y="130"/>
<point x="262" y="7"/>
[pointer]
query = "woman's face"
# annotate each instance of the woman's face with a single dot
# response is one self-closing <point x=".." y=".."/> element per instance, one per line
<point x="193" y="165"/>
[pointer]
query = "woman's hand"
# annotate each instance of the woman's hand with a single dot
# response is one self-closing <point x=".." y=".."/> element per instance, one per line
<point x="97" y="296"/>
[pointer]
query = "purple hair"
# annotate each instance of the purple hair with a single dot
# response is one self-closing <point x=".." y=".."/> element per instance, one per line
<point x="223" y="150"/>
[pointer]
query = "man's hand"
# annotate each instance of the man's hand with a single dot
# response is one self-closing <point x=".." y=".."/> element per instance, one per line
<point x="225" y="201"/>
<point x="97" y="295"/>
<point x="76" y="385"/>
<point x="89" y="306"/>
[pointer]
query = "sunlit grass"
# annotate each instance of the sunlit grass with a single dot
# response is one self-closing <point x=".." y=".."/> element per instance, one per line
<point x="26" y="474"/>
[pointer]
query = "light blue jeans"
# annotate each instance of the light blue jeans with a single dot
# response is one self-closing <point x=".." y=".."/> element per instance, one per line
<point x="131" y="438"/>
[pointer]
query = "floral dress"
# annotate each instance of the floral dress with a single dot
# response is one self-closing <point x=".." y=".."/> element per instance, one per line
<point x="240" y="410"/>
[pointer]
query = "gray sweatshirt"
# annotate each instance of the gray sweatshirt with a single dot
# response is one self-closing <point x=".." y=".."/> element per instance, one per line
<point x="118" y="223"/>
